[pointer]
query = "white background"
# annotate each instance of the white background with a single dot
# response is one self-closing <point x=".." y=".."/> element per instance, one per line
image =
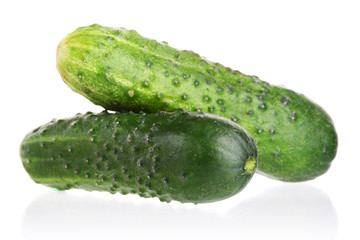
<point x="311" y="47"/>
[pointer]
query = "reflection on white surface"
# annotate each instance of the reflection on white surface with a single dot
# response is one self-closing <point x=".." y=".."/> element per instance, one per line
<point x="295" y="211"/>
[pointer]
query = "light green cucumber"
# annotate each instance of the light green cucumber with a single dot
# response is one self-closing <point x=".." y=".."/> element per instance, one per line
<point x="182" y="156"/>
<point x="119" y="69"/>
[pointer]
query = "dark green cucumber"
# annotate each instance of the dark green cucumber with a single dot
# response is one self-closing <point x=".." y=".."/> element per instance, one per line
<point x="183" y="156"/>
<point x="119" y="69"/>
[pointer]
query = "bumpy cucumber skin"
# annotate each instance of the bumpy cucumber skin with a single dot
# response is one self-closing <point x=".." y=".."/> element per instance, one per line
<point x="182" y="156"/>
<point x="119" y="69"/>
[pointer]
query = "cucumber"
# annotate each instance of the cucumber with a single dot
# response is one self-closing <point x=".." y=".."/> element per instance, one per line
<point x="182" y="156"/>
<point x="119" y="69"/>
